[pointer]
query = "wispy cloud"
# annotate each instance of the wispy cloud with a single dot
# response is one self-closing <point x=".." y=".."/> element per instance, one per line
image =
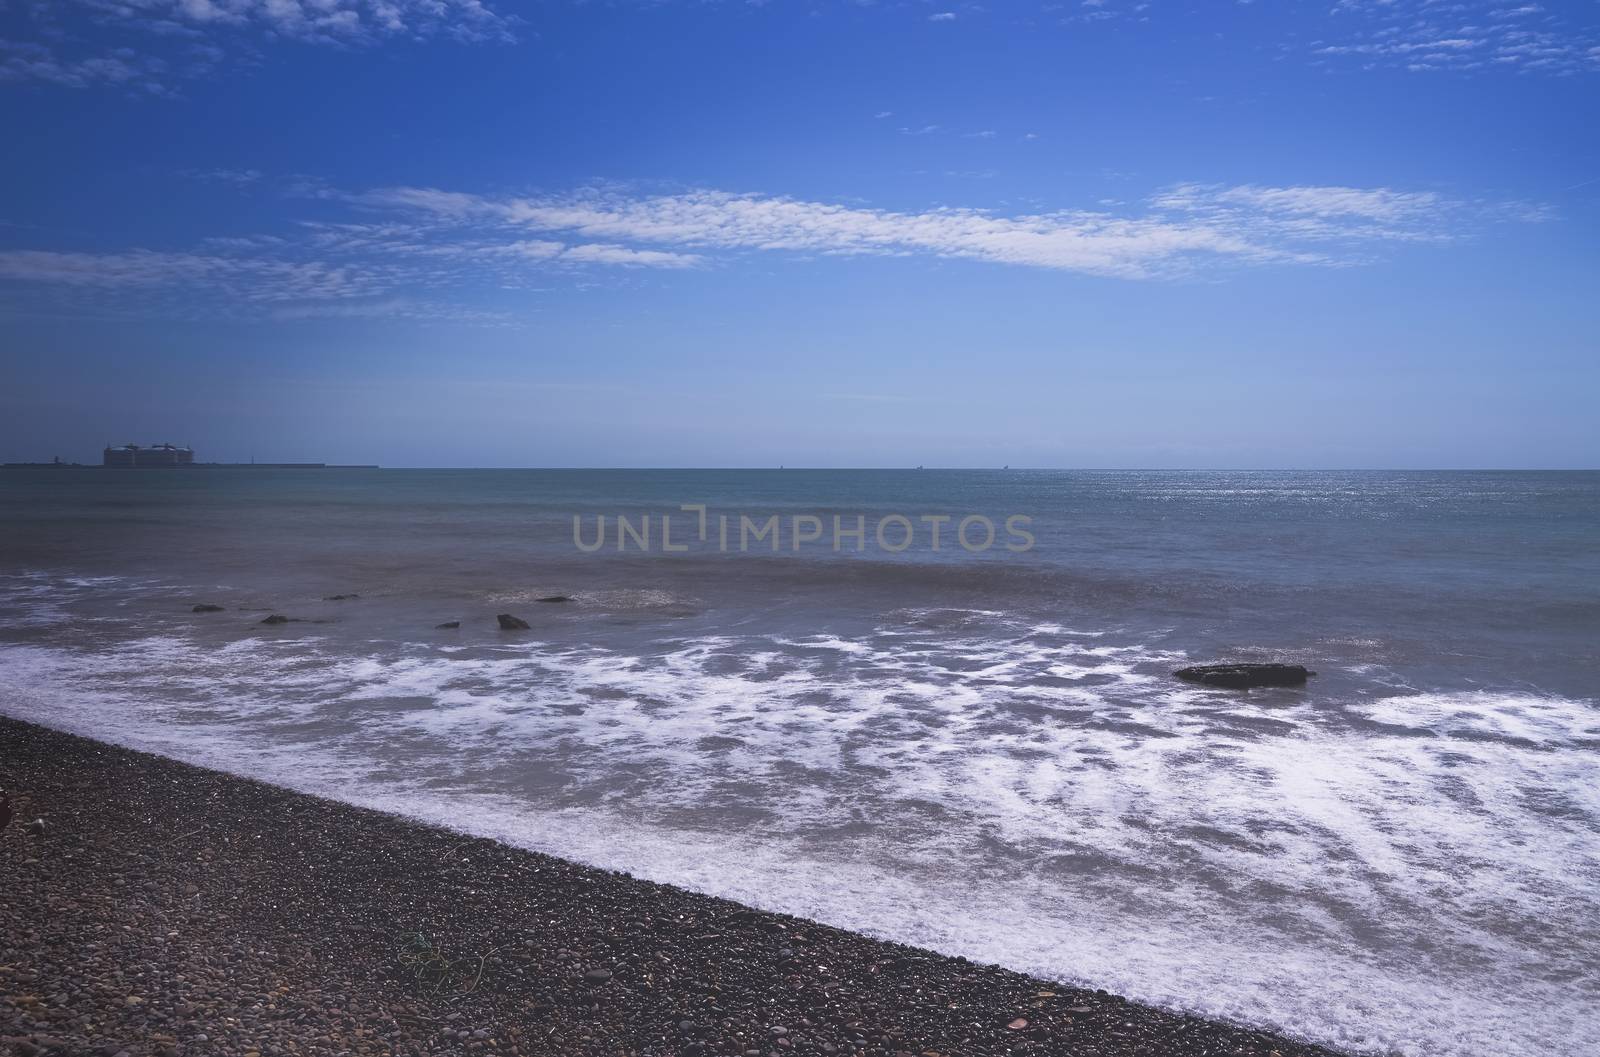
<point x="429" y="247"/>
<point x="248" y="278"/>
<point x="1416" y="35"/>
<point x="151" y="45"/>
<point x="1348" y="215"/>
<point x="1429" y="35"/>
<point x="32" y="61"/>
<point x="343" y="21"/>
<point x="1181" y="229"/>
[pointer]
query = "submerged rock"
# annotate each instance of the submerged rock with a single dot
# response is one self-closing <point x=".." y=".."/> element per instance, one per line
<point x="279" y="618"/>
<point x="206" y="607"/>
<point x="447" y="625"/>
<point x="338" y="598"/>
<point x="1244" y="676"/>
<point x="555" y="598"/>
<point x="511" y="623"/>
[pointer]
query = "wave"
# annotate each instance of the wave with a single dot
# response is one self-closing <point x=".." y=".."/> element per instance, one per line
<point x="1378" y="869"/>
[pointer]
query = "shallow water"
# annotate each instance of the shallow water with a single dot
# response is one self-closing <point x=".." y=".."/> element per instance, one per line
<point x="982" y="753"/>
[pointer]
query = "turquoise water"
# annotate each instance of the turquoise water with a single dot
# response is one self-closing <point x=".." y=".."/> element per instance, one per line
<point x="979" y="751"/>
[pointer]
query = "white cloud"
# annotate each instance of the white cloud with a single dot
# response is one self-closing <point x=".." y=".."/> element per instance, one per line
<point x="605" y="253"/>
<point x="157" y="43"/>
<point x="259" y="279"/>
<point x="1429" y="35"/>
<point x="30" y="61"/>
<point x="320" y="20"/>
<point x="412" y="244"/>
<point x="1416" y="35"/>
<point x="1183" y="227"/>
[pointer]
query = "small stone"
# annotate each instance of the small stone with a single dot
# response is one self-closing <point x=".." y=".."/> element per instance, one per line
<point x="1018" y="1024"/>
<point x="597" y="976"/>
<point x="191" y="889"/>
<point x="37" y="828"/>
<point x="1245" y="676"/>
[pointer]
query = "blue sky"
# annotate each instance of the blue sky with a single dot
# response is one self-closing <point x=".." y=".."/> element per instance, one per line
<point x="429" y="232"/>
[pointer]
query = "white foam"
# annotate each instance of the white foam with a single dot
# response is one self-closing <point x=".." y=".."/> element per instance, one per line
<point x="1411" y="873"/>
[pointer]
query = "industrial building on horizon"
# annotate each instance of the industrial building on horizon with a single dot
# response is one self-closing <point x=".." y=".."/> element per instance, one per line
<point x="161" y="456"/>
<point x="133" y="456"/>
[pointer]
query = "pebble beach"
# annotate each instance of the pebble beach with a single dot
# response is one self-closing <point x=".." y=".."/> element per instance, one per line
<point x="167" y="909"/>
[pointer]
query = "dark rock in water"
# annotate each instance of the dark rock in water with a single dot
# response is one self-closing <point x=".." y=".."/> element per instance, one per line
<point x="206" y="607"/>
<point x="37" y="828"/>
<point x="511" y="623"/>
<point x="555" y="598"/>
<point x="1244" y="676"/>
<point x="338" y="598"/>
<point x="276" y="618"/>
<point x="448" y="624"/>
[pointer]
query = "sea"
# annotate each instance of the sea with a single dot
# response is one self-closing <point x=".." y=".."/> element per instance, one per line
<point x="977" y="747"/>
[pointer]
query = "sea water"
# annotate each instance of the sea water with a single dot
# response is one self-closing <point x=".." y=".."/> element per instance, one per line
<point x="978" y="750"/>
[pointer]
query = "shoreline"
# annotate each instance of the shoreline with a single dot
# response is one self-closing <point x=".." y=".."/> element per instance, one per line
<point x="171" y="909"/>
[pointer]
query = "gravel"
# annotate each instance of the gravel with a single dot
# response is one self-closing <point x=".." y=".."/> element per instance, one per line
<point x="167" y="909"/>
